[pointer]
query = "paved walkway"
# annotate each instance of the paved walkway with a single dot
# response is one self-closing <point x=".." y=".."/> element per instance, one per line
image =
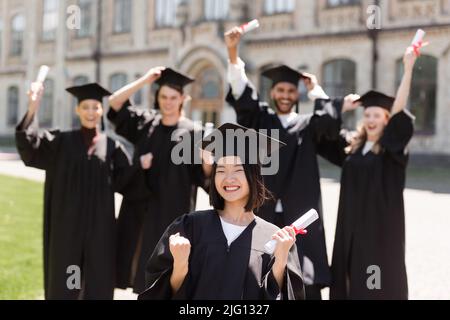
<point x="427" y="233"/>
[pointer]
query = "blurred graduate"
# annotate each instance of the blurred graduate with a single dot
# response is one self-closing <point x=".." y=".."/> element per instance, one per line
<point x="83" y="169"/>
<point x="219" y="254"/>
<point x="173" y="187"/>
<point x="296" y="186"/>
<point x="370" y="232"/>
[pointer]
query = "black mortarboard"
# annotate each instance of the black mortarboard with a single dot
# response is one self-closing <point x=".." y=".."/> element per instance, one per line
<point x="170" y="76"/>
<point x="235" y="140"/>
<point x="92" y="91"/>
<point x="376" y="99"/>
<point x="283" y="74"/>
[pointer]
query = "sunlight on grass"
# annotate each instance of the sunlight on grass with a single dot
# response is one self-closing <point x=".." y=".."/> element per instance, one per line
<point x="21" y="205"/>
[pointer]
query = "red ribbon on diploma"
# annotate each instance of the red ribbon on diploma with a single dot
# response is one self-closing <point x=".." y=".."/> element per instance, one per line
<point x="299" y="231"/>
<point x="242" y="27"/>
<point x="417" y="46"/>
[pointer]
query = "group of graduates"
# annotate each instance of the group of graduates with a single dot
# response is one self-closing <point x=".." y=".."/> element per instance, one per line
<point x="164" y="250"/>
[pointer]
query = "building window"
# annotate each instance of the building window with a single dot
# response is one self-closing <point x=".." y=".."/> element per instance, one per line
<point x="423" y="92"/>
<point x="166" y="12"/>
<point x="86" y="10"/>
<point x="117" y="81"/>
<point x="137" y="97"/>
<point x="17" y="31"/>
<point x="216" y="9"/>
<point x="339" y="3"/>
<point x="122" y="16"/>
<point x="77" y="81"/>
<point x="13" y="105"/>
<point x="207" y="95"/>
<point x="45" y="112"/>
<point x="278" y="6"/>
<point x="50" y="20"/>
<point x="339" y="80"/>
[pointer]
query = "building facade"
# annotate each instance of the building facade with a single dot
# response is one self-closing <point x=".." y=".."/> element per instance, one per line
<point x="351" y="45"/>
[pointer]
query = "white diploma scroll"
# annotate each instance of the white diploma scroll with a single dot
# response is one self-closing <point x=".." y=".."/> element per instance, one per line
<point x="418" y="38"/>
<point x="252" y="25"/>
<point x="302" y="223"/>
<point x="42" y="75"/>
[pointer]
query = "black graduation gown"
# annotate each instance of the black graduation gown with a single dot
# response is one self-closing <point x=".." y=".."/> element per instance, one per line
<point x="297" y="182"/>
<point x="79" y="217"/>
<point x="173" y="188"/>
<point x="135" y="204"/>
<point x="371" y="220"/>
<point x="241" y="271"/>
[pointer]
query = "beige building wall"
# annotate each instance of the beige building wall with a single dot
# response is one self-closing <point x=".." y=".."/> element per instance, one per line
<point x="308" y="37"/>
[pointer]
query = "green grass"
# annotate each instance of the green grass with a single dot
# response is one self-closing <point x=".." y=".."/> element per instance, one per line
<point x="21" y="273"/>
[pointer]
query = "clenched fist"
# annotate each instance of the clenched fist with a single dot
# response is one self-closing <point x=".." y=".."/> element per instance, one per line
<point x="180" y="248"/>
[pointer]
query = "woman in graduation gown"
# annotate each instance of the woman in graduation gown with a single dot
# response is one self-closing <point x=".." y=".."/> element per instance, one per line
<point x="172" y="186"/>
<point x="83" y="169"/>
<point x="219" y="254"/>
<point x="369" y="247"/>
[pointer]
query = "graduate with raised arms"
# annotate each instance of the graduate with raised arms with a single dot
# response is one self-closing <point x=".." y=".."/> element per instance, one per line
<point x="219" y="254"/>
<point x="83" y="169"/>
<point x="296" y="186"/>
<point x="173" y="187"/>
<point x="370" y="232"/>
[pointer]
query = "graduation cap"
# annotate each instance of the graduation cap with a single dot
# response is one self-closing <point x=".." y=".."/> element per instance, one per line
<point x="234" y="140"/>
<point x="170" y="76"/>
<point x="283" y="74"/>
<point x="376" y="99"/>
<point x="92" y="91"/>
<point x="173" y="79"/>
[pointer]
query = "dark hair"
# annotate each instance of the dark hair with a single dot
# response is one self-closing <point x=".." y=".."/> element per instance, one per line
<point x="258" y="193"/>
<point x="172" y="86"/>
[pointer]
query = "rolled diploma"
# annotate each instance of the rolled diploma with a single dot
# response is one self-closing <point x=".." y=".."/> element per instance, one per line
<point x="418" y="38"/>
<point x="252" y="25"/>
<point x="301" y="223"/>
<point x="42" y="75"/>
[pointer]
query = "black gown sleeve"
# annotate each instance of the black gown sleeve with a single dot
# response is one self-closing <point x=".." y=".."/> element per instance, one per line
<point x="124" y="168"/>
<point x="397" y="135"/>
<point x="334" y="150"/>
<point x="326" y="120"/>
<point x="249" y="109"/>
<point x="293" y="286"/>
<point x="36" y="148"/>
<point x="160" y="265"/>
<point x="129" y="121"/>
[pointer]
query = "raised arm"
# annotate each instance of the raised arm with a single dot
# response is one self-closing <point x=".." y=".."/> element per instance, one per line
<point x="409" y="59"/>
<point x="121" y="96"/>
<point x="37" y="149"/>
<point x="130" y="121"/>
<point x="242" y="96"/>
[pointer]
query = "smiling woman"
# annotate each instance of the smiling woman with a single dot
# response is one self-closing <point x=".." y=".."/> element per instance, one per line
<point x="219" y="254"/>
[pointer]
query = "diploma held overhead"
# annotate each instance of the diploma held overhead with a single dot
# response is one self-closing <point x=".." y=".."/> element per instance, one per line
<point x="250" y="26"/>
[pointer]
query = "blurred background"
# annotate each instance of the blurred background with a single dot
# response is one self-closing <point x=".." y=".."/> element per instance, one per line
<point x="351" y="45"/>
